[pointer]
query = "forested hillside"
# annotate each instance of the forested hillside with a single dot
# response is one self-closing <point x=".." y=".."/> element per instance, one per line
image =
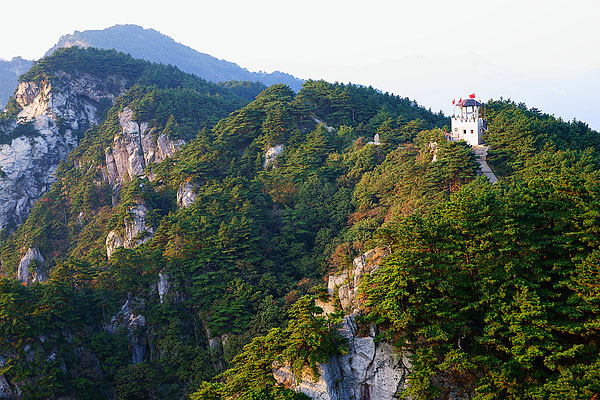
<point x="194" y="275"/>
<point x="256" y="239"/>
<point x="493" y="289"/>
<point x="63" y="95"/>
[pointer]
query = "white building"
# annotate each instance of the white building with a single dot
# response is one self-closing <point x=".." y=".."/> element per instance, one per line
<point x="467" y="124"/>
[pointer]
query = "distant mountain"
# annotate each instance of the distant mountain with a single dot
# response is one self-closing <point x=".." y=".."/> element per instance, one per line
<point x="9" y="73"/>
<point x="151" y="45"/>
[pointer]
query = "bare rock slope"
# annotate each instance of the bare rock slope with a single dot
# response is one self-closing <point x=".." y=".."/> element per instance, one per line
<point x="45" y="131"/>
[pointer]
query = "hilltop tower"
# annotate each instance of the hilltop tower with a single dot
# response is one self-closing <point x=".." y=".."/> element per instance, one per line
<point x="467" y="123"/>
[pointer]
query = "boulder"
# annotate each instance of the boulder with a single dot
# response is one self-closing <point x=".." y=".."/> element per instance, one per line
<point x="136" y="231"/>
<point x="27" y="274"/>
<point x="186" y="195"/>
<point x="272" y="153"/>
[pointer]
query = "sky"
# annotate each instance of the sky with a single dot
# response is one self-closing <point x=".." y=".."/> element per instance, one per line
<point x="543" y="53"/>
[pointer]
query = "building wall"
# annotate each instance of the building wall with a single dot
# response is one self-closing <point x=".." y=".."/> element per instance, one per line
<point x="470" y="130"/>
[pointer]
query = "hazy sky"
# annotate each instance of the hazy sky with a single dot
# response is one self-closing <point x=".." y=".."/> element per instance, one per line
<point x="546" y="53"/>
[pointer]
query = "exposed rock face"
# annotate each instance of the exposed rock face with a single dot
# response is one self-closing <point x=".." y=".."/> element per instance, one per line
<point x="130" y="318"/>
<point x="135" y="149"/>
<point x="370" y="370"/>
<point x="272" y="154"/>
<point x="185" y="194"/>
<point x="75" y="102"/>
<point x="28" y="164"/>
<point x="345" y="285"/>
<point x="376" y="141"/>
<point x="25" y="273"/>
<point x="433" y="146"/>
<point x="114" y="240"/>
<point x="163" y="286"/>
<point x="166" y="287"/>
<point x="136" y="231"/>
<point x="28" y="160"/>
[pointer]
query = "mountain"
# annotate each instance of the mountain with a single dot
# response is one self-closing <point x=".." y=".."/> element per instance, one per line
<point x="241" y="242"/>
<point x="180" y="223"/>
<point x="62" y="96"/>
<point x="151" y="45"/>
<point x="9" y="74"/>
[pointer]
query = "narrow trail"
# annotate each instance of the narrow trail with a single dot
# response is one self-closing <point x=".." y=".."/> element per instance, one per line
<point x="318" y="121"/>
<point x="481" y="153"/>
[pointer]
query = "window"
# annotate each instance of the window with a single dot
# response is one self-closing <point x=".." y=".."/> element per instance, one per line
<point x="471" y="130"/>
<point x="465" y="131"/>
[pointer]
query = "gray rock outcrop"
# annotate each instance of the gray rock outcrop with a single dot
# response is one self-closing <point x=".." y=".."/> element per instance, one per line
<point x="27" y="274"/>
<point x="135" y="149"/>
<point x="136" y="231"/>
<point x="345" y="285"/>
<point x="43" y="134"/>
<point x="163" y="286"/>
<point x="370" y="370"/>
<point x="130" y="319"/>
<point x="272" y="153"/>
<point x="186" y="195"/>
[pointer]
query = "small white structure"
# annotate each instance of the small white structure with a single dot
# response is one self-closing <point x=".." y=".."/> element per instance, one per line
<point x="467" y="124"/>
<point x="375" y="140"/>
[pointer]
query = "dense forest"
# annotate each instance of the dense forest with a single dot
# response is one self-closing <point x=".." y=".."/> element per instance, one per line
<point x="493" y="288"/>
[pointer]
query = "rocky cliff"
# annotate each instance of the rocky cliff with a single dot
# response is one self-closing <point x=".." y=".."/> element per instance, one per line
<point x="136" y="231"/>
<point x="30" y="267"/>
<point x="272" y="153"/>
<point x="132" y="151"/>
<point x="47" y="128"/>
<point x="186" y="195"/>
<point x="135" y="149"/>
<point x="372" y="369"/>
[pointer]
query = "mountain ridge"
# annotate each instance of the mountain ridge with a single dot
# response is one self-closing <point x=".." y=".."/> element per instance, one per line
<point x="152" y="45"/>
<point x="220" y="214"/>
<point x="64" y="94"/>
